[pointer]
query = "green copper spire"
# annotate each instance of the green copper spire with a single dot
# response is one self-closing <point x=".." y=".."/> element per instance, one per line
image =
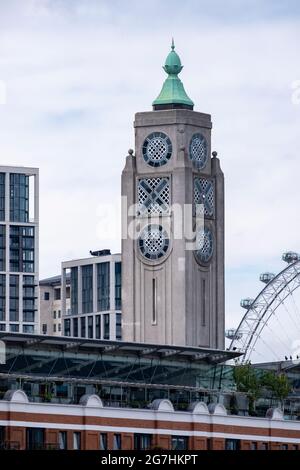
<point x="173" y="94"/>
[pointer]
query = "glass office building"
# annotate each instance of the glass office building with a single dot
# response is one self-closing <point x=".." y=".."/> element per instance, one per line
<point x="95" y="297"/>
<point x="19" y="249"/>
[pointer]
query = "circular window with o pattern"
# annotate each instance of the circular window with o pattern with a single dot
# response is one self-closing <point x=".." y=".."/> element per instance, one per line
<point x="198" y="150"/>
<point x="157" y="149"/>
<point x="204" y="245"/>
<point x="153" y="242"/>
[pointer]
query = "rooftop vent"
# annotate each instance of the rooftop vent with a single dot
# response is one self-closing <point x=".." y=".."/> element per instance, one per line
<point x="100" y="253"/>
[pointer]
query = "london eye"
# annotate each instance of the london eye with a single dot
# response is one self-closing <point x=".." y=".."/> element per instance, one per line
<point x="270" y="328"/>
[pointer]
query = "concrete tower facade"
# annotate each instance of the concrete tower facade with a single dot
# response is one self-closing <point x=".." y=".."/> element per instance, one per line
<point x="172" y="294"/>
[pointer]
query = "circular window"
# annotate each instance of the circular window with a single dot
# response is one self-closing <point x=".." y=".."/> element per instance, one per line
<point x="198" y="150"/>
<point x="157" y="149"/>
<point x="204" y="245"/>
<point x="153" y="242"/>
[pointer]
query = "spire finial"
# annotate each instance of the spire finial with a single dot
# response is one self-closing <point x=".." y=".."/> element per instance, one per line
<point x="173" y="94"/>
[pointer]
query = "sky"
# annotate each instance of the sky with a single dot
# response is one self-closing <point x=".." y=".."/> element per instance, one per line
<point x="74" y="72"/>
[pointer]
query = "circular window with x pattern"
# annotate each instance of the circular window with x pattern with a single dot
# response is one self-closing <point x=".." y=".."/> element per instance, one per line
<point x="204" y="245"/>
<point x="153" y="242"/>
<point x="157" y="149"/>
<point x="198" y="150"/>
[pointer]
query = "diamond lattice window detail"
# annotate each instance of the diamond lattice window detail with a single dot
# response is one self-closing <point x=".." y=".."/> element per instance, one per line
<point x="204" y="242"/>
<point x="153" y="196"/>
<point x="204" y="193"/>
<point x="198" y="150"/>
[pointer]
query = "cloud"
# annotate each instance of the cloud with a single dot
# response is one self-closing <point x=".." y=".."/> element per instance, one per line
<point x="75" y="74"/>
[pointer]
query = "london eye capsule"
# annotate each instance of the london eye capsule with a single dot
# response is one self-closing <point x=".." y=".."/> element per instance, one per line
<point x="290" y="257"/>
<point x="266" y="277"/>
<point x="232" y="333"/>
<point x="246" y="303"/>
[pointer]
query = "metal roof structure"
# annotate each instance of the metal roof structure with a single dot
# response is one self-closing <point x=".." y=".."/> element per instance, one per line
<point x="117" y="348"/>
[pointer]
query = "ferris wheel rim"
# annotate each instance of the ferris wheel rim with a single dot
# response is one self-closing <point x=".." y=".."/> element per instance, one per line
<point x="267" y="304"/>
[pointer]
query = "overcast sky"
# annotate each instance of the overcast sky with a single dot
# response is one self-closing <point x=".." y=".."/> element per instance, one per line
<point x="75" y="73"/>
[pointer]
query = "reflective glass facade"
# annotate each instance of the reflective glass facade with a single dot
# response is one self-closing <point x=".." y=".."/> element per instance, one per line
<point x="2" y="248"/>
<point x="2" y="196"/>
<point x="118" y="326"/>
<point x="13" y="298"/>
<point x="106" y="325"/>
<point x="118" y="285"/>
<point x="103" y="286"/>
<point x="19" y="197"/>
<point x="95" y="298"/>
<point x="87" y="288"/>
<point x="2" y="297"/>
<point x="21" y="247"/>
<point x="18" y="255"/>
<point x="74" y="291"/>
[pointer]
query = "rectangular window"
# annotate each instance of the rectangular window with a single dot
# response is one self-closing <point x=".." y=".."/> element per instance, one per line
<point x="19" y="197"/>
<point x="14" y="328"/>
<point x="87" y="288"/>
<point x="28" y="329"/>
<point x="253" y="446"/>
<point x="57" y="294"/>
<point x="142" y="441"/>
<point x="106" y="325"/>
<point x="76" y="440"/>
<point x="2" y="296"/>
<point x="54" y="314"/>
<point x="44" y="328"/>
<point x="2" y="247"/>
<point x="103" y="286"/>
<point x="68" y="292"/>
<point x="75" y="327"/>
<point x="118" y="326"/>
<point x="118" y="286"/>
<point x="59" y="314"/>
<point x="103" y="441"/>
<point x="232" y="444"/>
<point x="59" y="327"/>
<point x="98" y="327"/>
<point x="117" y="442"/>
<point x="90" y="327"/>
<point x="35" y="438"/>
<point x="179" y="443"/>
<point x="46" y="296"/>
<point x="62" y="440"/>
<point x="2" y="327"/>
<point x="295" y="447"/>
<point x="74" y="291"/>
<point x="13" y="298"/>
<point x="83" y="328"/>
<point x="67" y="326"/>
<point x="2" y="197"/>
<point x="54" y="328"/>
<point x="284" y="447"/>
<point x="264" y="446"/>
<point x="154" y="303"/>
<point x="203" y="316"/>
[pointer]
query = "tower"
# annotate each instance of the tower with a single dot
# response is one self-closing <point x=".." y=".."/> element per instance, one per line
<point x="172" y="294"/>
